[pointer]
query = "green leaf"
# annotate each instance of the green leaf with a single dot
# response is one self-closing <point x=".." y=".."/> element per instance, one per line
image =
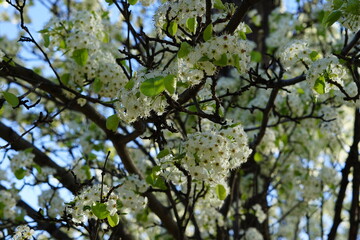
<point x="184" y="50"/>
<point x="220" y="191"/>
<point x="87" y="171"/>
<point x="300" y="91"/>
<point x="152" y="86"/>
<point x="236" y="59"/>
<point x="314" y="55"/>
<point x="132" y="2"/>
<point x="258" y="157"/>
<point x="319" y="85"/>
<point x="81" y="56"/>
<point x="248" y="29"/>
<point x="46" y="38"/>
<point x="163" y="153"/>
<point x="112" y="122"/>
<point x="170" y="83"/>
<point x="256" y="56"/>
<point x="218" y="4"/>
<point x="154" y="178"/>
<point x="9" y="61"/>
<point x="37" y="167"/>
<point x="20" y="173"/>
<point x="99" y="210"/>
<point x="106" y="37"/>
<point x="353" y="7"/>
<point x="337" y="4"/>
<point x="65" y="78"/>
<point x="222" y="61"/>
<point x="207" y="34"/>
<point x="242" y="35"/>
<point x="97" y="85"/>
<point x="173" y="27"/>
<point x="11" y="99"/>
<point x="62" y="44"/>
<point x="2" y="207"/>
<point x="113" y="220"/>
<point x="332" y="18"/>
<point x="109" y="2"/>
<point x="191" y="24"/>
<point x="130" y="84"/>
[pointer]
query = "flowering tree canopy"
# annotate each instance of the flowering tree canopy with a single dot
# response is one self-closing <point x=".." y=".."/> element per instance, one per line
<point x="181" y="119"/>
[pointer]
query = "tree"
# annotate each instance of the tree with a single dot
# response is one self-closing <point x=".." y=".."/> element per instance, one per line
<point x="181" y="120"/>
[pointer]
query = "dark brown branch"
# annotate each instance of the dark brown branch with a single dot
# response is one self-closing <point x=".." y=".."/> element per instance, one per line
<point x="238" y="16"/>
<point x="352" y="158"/>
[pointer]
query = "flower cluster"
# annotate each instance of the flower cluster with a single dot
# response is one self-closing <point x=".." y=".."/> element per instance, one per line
<point x="179" y="11"/>
<point x="324" y="73"/>
<point x="208" y="156"/>
<point x="130" y="194"/>
<point x="23" y="232"/>
<point x="7" y="205"/>
<point x="81" y="207"/>
<point x="147" y="2"/>
<point x="225" y="50"/>
<point x="281" y="25"/>
<point x="133" y="104"/>
<point x="252" y="234"/>
<point x="294" y="52"/>
<point x="91" y="60"/>
<point x="22" y="162"/>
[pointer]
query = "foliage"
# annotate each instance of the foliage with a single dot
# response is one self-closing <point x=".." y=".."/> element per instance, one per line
<point x="184" y="119"/>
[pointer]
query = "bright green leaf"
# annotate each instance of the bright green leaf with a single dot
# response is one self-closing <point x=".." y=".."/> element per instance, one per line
<point x="173" y="27"/>
<point x="9" y="61"/>
<point x="97" y="85"/>
<point x="218" y="4"/>
<point x="207" y="34"/>
<point x="248" y="29"/>
<point x="152" y="86"/>
<point x="130" y="84"/>
<point x="256" y="56"/>
<point x="20" y="173"/>
<point x="184" y="50"/>
<point x="87" y="171"/>
<point x="106" y="38"/>
<point x="222" y="61"/>
<point x="132" y="2"/>
<point x="113" y="220"/>
<point x="109" y="2"/>
<point x="258" y="157"/>
<point x="163" y="153"/>
<point x="81" y="56"/>
<point x="112" y="122"/>
<point x="191" y="24"/>
<point x="220" y="191"/>
<point x="170" y="83"/>
<point x="11" y="99"/>
<point x="300" y="91"/>
<point x="65" y="78"/>
<point x="319" y="85"/>
<point x="242" y="35"/>
<point x="332" y="18"/>
<point x="236" y="59"/>
<point x="99" y="210"/>
<point x="46" y="38"/>
<point x="314" y="55"/>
